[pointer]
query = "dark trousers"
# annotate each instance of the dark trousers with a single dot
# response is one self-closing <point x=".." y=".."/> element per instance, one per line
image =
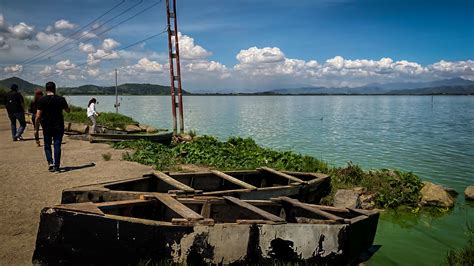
<point x="53" y="136"/>
<point x="21" y="119"/>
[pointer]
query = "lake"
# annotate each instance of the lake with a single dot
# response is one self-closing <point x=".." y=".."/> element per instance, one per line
<point x="430" y="136"/>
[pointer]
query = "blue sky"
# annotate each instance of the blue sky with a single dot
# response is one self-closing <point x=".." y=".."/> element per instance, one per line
<point x="245" y="45"/>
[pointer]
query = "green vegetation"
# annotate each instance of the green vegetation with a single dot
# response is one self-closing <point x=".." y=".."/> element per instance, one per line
<point x="465" y="255"/>
<point x="389" y="188"/>
<point x="109" y="120"/>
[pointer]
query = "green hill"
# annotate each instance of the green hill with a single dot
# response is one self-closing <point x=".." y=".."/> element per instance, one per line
<point x="124" y="89"/>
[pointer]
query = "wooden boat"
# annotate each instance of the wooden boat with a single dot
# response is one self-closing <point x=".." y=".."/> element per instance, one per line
<point x="262" y="183"/>
<point x="160" y="228"/>
<point x="164" y="138"/>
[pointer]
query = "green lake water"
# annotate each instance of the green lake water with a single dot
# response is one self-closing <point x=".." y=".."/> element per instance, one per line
<point x="430" y="136"/>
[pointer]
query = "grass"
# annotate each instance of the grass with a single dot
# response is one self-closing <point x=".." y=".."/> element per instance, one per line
<point x="109" y="120"/>
<point x="390" y="188"/>
<point x="465" y="255"/>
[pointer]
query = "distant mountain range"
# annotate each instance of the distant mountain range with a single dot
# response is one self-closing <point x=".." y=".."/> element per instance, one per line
<point x="454" y="86"/>
<point x="124" y="89"/>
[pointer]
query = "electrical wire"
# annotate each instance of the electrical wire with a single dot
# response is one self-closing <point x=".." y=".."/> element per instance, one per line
<point x="110" y="53"/>
<point x="74" y="33"/>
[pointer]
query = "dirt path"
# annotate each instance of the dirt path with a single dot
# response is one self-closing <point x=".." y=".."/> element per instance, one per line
<point x="27" y="186"/>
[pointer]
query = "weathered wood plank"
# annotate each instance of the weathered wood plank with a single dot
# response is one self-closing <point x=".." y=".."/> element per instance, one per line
<point x="287" y="176"/>
<point x="233" y="179"/>
<point x="121" y="203"/>
<point x="178" y="207"/>
<point x="184" y="222"/>
<point x="87" y="207"/>
<point x="319" y="212"/>
<point x="328" y="208"/>
<point x="242" y="221"/>
<point x="173" y="182"/>
<point x="255" y="210"/>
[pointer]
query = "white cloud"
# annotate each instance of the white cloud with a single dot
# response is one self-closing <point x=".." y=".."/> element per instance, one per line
<point x="22" y="31"/>
<point x="109" y="44"/>
<point x="65" y="65"/>
<point x="47" y="70"/>
<point x="255" y="55"/>
<point x="149" y="66"/>
<point x="13" y="69"/>
<point x="2" y="22"/>
<point x="95" y="58"/>
<point x="3" y="43"/>
<point x="63" y="25"/>
<point x="87" y="48"/>
<point x="93" y="72"/>
<point x="49" y="38"/>
<point x="188" y="50"/>
<point x="203" y="68"/>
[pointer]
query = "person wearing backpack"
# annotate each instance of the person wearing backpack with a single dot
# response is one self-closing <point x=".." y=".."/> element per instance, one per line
<point x="50" y="114"/>
<point x="15" y="105"/>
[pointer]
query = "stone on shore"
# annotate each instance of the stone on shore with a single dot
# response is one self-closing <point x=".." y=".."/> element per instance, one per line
<point x="469" y="193"/>
<point x="151" y="130"/>
<point x="346" y="198"/>
<point x="79" y="128"/>
<point x="132" y="129"/>
<point x="435" y="195"/>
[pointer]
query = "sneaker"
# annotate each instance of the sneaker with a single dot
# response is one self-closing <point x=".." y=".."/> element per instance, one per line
<point x="20" y="137"/>
<point x="51" y="167"/>
<point x="57" y="169"/>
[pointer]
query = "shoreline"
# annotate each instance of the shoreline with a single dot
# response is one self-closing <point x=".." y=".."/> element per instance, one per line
<point x="28" y="187"/>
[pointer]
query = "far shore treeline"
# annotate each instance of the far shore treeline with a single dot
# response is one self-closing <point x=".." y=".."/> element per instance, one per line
<point x="454" y="86"/>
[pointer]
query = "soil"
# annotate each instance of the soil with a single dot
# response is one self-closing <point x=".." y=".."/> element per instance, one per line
<point x="27" y="186"/>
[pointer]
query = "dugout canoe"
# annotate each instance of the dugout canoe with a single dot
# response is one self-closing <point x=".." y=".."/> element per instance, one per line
<point x="262" y="183"/>
<point x="161" y="229"/>
<point x="164" y="138"/>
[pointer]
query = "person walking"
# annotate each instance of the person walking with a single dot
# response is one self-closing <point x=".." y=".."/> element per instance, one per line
<point x="33" y="109"/>
<point x="92" y="114"/>
<point x="15" y="105"/>
<point x="50" y="114"/>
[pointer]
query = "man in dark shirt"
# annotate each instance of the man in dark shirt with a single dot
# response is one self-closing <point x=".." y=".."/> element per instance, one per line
<point x="50" y="114"/>
<point x="15" y="107"/>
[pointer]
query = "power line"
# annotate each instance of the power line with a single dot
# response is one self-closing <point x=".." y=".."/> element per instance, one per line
<point x="113" y="52"/>
<point x="74" y="33"/>
<point x="99" y="34"/>
<point x="85" y="34"/>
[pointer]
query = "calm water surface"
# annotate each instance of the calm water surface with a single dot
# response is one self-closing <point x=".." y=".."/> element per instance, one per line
<point x="432" y="137"/>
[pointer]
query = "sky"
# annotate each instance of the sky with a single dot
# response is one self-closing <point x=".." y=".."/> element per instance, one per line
<point x="238" y="45"/>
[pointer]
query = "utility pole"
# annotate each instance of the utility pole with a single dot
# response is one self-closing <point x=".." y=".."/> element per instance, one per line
<point x="173" y="50"/>
<point x="117" y="104"/>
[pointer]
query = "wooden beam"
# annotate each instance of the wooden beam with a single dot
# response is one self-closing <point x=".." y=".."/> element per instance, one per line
<point x="319" y="212"/>
<point x="122" y="203"/>
<point x="242" y="221"/>
<point x="178" y="207"/>
<point x="173" y="182"/>
<point x="328" y="208"/>
<point x="287" y="176"/>
<point x="254" y="209"/>
<point x="233" y="180"/>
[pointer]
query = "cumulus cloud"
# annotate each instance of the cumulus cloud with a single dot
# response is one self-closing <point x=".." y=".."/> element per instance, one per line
<point x="146" y="65"/>
<point x="49" y="38"/>
<point x="95" y="58"/>
<point x="256" y="55"/>
<point x="87" y="48"/>
<point x="47" y="70"/>
<point x="63" y="24"/>
<point x="65" y="65"/>
<point x="190" y="51"/>
<point x="109" y="44"/>
<point x="13" y="69"/>
<point x="3" y="43"/>
<point x="206" y="68"/>
<point x="93" y="72"/>
<point x="22" y="31"/>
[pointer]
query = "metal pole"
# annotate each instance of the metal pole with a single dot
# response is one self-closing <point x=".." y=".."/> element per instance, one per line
<point x="172" y="77"/>
<point x="116" y="93"/>
<point x="178" y="70"/>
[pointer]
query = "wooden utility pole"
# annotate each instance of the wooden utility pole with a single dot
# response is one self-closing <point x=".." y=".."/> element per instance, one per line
<point x="175" y="69"/>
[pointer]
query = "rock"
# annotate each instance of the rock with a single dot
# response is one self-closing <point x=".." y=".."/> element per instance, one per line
<point x="78" y="127"/>
<point x="451" y="191"/>
<point x="185" y="137"/>
<point x="359" y="190"/>
<point x="67" y="126"/>
<point x="367" y="201"/>
<point x="151" y="130"/>
<point x="346" y="198"/>
<point x="469" y="193"/>
<point x="132" y="129"/>
<point x="435" y="195"/>
<point x="143" y="127"/>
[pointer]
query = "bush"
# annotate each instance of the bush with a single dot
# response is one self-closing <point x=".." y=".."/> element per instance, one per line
<point x="109" y="120"/>
<point x="465" y="255"/>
